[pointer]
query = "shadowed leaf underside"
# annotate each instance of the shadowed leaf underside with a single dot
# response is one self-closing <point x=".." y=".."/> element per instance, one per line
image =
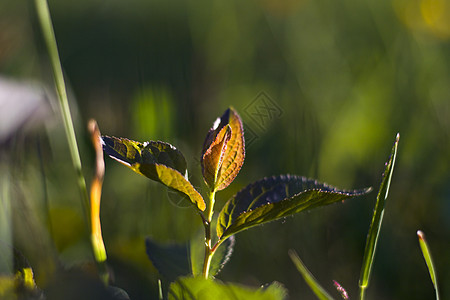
<point x="276" y="197"/>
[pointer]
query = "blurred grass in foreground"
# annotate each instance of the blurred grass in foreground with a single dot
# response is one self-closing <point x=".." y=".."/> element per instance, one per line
<point x="346" y="76"/>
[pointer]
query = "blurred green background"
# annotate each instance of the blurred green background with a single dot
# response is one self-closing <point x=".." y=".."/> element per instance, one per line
<point x="322" y="87"/>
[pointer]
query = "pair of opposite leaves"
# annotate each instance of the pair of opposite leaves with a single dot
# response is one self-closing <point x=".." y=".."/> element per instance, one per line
<point x="222" y="158"/>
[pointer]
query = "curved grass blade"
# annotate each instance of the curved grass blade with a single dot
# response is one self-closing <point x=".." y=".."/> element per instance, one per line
<point x="95" y="197"/>
<point x="234" y="153"/>
<point x="428" y="260"/>
<point x="377" y="219"/>
<point x="274" y="198"/>
<point x="158" y="161"/>
<point x="317" y="289"/>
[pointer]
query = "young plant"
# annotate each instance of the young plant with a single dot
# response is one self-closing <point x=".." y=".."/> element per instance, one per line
<point x="222" y="157"/>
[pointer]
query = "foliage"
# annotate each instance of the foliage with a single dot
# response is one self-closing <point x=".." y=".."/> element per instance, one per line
<point x="391" y="77"/>
<point x="199" y="288"/>
<point x="263" y="201"/>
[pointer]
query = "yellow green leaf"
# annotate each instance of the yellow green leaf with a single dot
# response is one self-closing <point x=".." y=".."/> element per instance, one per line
<point x="156" y="160"/>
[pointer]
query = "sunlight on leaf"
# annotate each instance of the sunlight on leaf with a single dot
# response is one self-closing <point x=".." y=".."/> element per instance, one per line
<point x="220" y="168"/>
<point x="19" y="286"/>
<point x="273" y="198"/>
<point x="198" y="288"/>
<point x="136" y="155"/>
<point x="158" y="161"/>
<point x="213" y="157"/>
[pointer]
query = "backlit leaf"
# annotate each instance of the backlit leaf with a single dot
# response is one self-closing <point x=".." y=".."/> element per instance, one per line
<point x="158" y="161"/>
<point x="199" y="288"/>
<point x="230" y="162"/>
<point x="274" y="198"/>
<point x="213" y="157"/>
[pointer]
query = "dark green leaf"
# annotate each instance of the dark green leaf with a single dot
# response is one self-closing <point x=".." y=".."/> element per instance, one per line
<point x="171" y="261"/>
<point x="116" y="293"/>
<point x="198" y="288"/>
<point x="233" y="157"/>
<point x="377" y="219"/>
<point x="273" y="198"/>
<point x="158" y="161"/>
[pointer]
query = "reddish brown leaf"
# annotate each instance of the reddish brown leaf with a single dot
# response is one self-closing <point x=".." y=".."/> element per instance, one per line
<point x="213" y="157"/>
<point x="226" y="166"/>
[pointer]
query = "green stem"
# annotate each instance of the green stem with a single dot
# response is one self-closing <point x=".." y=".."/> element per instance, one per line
<point x="362" y="292"/>
<point x="50" y="41"/>
<point x="209" y="252"/>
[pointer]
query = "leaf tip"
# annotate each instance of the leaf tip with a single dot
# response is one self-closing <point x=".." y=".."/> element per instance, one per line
<point x="397" y="138"/>
<point x="420" y="235"/>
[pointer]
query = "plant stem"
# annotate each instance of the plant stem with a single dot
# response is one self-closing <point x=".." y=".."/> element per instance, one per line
<point x="50" y="41"/>
<point x="209" y="252"/>
<point x="362" y="291"/>
<point x="377" y="220"/>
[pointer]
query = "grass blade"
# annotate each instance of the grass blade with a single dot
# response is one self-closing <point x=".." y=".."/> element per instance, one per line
<point x="427" y="256"/>
<point x="377" y="219"/>
<point x="50" y="41"/>
<point x="318" y="290"/>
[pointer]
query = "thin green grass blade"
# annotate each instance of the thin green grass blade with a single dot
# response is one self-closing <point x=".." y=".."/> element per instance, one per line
<point x="428" y="260"/>
<point x="160" y="292"/>
<point x="377" y="219"/>
<point x="50" y="41"/>
<point x="318" y="290"/>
